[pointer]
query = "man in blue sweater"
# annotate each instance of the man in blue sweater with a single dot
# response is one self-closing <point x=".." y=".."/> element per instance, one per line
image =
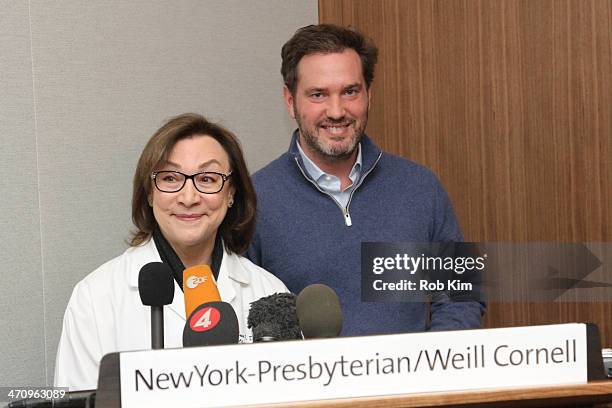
<point x="335" y="188"/>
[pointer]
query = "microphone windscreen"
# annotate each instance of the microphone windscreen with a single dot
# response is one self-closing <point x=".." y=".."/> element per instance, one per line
<point x="210" y="324"/>
<point x="156" y="284"/>
<point x="268" y="331"/>
<point x="319" y="312"/>
<point x="274" y="317"/>
<point x="199" y="287"/>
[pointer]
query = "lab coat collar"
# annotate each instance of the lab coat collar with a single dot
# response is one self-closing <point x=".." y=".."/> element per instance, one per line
<point x="231" y="270"/>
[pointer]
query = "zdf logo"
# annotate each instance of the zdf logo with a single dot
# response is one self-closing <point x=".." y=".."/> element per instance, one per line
<point x="193" y="281"/>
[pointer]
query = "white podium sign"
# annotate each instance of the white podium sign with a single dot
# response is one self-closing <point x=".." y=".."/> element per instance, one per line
<point x="266" y="373"/>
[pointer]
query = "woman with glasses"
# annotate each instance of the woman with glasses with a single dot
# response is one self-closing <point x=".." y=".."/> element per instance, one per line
<point x="193" y="203"/>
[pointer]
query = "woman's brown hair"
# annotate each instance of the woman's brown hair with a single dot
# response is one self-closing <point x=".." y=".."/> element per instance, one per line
<point x="239" y="223"/>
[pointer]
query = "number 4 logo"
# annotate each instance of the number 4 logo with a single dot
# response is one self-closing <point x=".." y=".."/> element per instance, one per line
<point x="204" y="318"/>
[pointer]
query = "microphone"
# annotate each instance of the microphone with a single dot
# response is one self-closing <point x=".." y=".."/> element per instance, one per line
<point x="156" y="288"/>
<point x="274" y="318"/>
<point x="211" y="324"/>
<point x="199" y="287"/>
<point x="209" y="320"/>
<point x="319" y="312"/>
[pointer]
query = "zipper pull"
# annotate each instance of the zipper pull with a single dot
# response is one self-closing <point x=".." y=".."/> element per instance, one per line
<point x="347" y="218"/>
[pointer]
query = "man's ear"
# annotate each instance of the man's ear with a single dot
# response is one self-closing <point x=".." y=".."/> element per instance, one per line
<point x="289" y="101"/>
<point x="369" y="97"/>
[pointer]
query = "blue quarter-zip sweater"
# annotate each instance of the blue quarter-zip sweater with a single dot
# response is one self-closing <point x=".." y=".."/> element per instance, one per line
<point x="303" y="236"/>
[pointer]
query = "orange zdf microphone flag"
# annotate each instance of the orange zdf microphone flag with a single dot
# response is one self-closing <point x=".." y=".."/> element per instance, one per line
<point x="199" y="287"/>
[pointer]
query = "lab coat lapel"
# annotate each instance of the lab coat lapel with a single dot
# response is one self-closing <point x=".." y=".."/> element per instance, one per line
<point x="224" y="283"/>
<point x="178" y="303"/>
<point x="232" y="275"/>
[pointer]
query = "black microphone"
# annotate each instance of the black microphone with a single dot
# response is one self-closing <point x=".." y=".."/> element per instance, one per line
<point x="211" y="324"/>
<point x="156" y="288"/>
<point x="319" y="312"/>
<point x="273" y="318"/>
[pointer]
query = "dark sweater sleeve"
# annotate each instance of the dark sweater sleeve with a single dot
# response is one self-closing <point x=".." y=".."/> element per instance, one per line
<point x="446" y="313"/>
<point x="445" y="224"/>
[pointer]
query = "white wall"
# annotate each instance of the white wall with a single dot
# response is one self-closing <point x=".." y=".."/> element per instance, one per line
<point x="83" y="85"/>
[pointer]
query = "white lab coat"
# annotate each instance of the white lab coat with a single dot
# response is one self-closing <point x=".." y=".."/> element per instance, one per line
<point x="105" y="313"/>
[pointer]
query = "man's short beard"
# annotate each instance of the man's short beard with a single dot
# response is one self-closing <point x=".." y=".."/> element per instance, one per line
<point x="329" y="153"/>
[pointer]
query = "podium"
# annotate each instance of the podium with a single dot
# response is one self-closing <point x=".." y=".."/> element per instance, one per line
<point x="538" y="366"/>
<point x="593" y="392"/>
<point x="597" y="390"/>
<point x="580" y="395"/>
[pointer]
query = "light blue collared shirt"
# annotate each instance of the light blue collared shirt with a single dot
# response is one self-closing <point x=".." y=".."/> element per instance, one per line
<point x="330" y="183"/>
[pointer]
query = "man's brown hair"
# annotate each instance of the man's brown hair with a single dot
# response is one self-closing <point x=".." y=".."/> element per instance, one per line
<point x="326" y="39"/>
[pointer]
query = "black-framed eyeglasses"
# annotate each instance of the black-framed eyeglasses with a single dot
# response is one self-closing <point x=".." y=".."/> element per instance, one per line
<point x="207" y="182"/>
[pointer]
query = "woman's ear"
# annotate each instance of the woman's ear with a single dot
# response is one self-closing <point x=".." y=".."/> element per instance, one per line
<point x="230" y="197"/>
